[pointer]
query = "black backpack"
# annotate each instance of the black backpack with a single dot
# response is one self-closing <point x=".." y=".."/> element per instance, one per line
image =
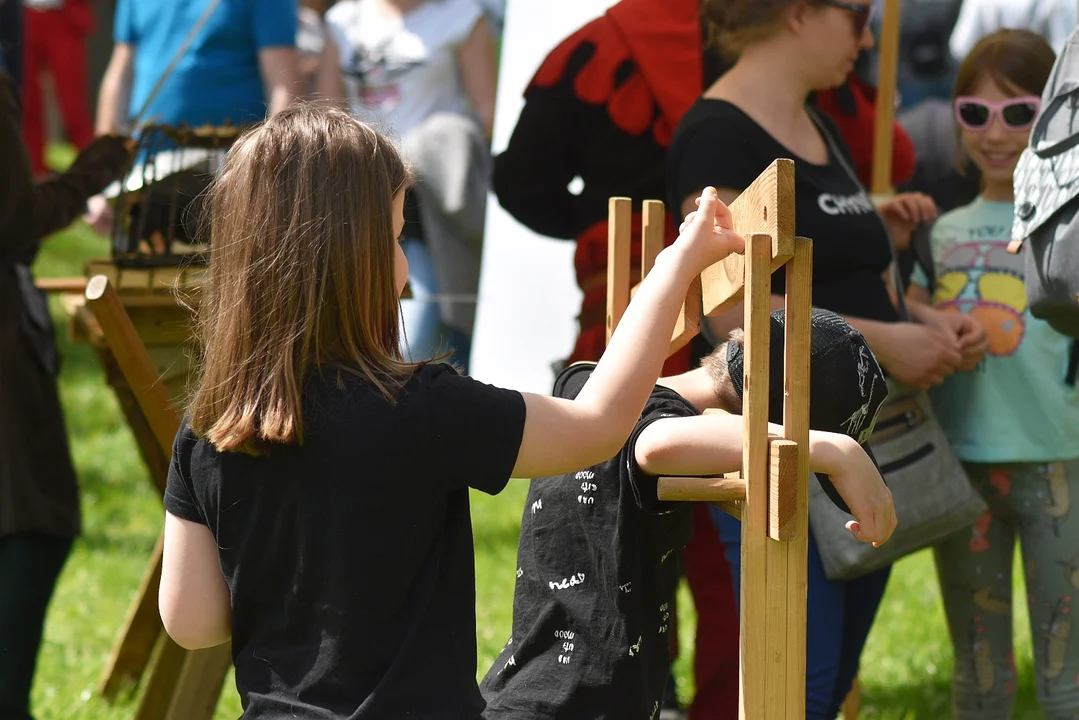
<point x="1046" y="224"/>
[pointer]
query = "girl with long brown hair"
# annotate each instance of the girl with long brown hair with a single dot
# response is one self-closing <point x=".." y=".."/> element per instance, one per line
<point x="318" y="498"/>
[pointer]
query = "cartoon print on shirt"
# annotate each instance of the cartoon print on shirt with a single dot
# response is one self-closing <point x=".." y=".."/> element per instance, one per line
<point x="664" y="617"/>
<point x="375" y="71"/>
<point x="981" y="278"/>
<point x="634" y="649"/>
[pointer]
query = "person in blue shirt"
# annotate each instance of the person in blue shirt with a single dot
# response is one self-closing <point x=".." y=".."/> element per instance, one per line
<point x="1013" y="417"/>
<point x="239" y="67"/>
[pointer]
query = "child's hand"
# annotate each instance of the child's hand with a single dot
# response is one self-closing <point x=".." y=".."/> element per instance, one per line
<point x="860" y="485"/>
<point x="707" y="232"/>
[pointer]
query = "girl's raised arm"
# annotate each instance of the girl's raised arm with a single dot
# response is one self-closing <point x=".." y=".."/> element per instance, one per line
<point x="564" y="435"/>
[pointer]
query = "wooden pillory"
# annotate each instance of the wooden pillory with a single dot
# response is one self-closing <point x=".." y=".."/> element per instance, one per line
<point x="770" y="494"/>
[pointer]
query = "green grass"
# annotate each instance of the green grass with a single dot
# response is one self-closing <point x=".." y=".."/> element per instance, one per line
<point x="905" y="670"/>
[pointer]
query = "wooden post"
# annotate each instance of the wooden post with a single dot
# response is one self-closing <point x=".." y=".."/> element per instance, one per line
<point x="619" y="228"/>
<point x="885" y="107"/>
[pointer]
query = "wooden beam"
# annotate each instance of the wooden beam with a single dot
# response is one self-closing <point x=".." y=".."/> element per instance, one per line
<point x="766" y="206"/>
<point x="134" y="361"/>
<point x="799" y="290"/>
<point x="653" y="234"/>
<point x="700" y="489"/>
<point x="881" y="184"/>
<point x="754" y="666"/>
<point x="61" y="284"/>
<point x="619" y="230"/>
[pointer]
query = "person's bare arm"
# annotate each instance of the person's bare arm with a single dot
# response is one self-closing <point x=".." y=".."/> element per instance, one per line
<point x="476" y="58"/>
<point x="712" y="444"/>
<point x="329" y="85"/>
<point x="280" y="72"/>
<point x="115" y="94"/>
<point x="193" y="598"/>
<point x="565" y="435"/>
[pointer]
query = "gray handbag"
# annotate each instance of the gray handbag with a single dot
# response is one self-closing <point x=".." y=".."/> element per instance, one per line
<point x="1047" y="199"/>
<point x="932" y="494"/>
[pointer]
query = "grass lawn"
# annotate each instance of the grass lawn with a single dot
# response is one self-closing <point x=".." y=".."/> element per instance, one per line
<point x="905" y="669"/>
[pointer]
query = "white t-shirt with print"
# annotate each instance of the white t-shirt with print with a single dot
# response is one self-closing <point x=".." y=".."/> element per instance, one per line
<point x="1052" y="19"/>
<point x="400" y="70"/>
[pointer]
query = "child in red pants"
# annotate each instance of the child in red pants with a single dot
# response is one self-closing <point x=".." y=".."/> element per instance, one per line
<point x="54" y="41"/>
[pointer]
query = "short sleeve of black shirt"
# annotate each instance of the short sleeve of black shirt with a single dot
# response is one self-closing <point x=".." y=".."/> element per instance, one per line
<point x="179" y="492"/>
<point x="476" y="430"/>
<point x="663" y="403"/>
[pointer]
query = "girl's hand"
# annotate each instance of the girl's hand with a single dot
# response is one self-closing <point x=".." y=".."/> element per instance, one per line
<point x="918" y="355"/>
<point x="905" y="212"/>
<point x="708" y="232"/>
<point x="968" y="333"/>
<point x="859" y="483"/>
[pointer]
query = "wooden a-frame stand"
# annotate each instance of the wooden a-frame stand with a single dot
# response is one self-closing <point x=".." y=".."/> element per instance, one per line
<point x="770" y="494"/>
<point x="182" y="684"/>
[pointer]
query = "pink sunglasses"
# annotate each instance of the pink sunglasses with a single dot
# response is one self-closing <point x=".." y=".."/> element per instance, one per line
<point x="1017" y="113"/>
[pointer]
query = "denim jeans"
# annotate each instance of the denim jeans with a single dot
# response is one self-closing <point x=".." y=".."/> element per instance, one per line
<point x="425" y="335"/>
<point x="839" y="617"/>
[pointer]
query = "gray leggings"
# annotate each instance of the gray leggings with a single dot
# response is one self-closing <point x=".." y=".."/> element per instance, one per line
<point x="1033" y="501"/>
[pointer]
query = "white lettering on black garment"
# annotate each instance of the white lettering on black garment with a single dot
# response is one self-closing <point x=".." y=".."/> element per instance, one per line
<point x="598" y="567"/>
<point x="719" y="145"/>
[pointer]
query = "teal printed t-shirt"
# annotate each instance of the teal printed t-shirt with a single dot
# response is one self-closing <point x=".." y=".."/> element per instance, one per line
<point x="1015" y="406"/>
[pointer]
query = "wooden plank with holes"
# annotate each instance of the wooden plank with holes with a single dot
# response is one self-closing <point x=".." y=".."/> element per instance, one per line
<point x="754" y="664"/>
<point x="798" y="301"/>
<point x="619" y="232"/>
<point x="766" y="206"/>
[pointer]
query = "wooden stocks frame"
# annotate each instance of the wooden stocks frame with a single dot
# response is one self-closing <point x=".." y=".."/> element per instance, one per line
<point x="770" y="493"/>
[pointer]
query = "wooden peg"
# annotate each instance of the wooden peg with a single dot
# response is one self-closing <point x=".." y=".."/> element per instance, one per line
<point x="619" y="228"/>
<point x="699" y="489"/>
<point x="782" y="488"/>
<point x="653" y="233"/>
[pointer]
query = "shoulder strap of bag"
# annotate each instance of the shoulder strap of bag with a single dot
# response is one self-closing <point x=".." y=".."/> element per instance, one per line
<point x="841" y="157"/>
<point x="210" y="7"/>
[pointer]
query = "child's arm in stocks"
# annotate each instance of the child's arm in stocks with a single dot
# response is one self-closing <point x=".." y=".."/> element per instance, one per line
<point x="712" y="444"/>
<point x="565" y="435"/>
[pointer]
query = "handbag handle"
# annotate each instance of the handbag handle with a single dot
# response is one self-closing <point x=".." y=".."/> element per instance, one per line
<point x="835" y="150"/>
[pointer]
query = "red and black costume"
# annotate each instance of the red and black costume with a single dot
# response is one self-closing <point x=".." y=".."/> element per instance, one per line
<point x="603" y="107"/>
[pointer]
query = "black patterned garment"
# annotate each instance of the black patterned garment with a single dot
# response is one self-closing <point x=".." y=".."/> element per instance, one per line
<point x="597" y="570"/>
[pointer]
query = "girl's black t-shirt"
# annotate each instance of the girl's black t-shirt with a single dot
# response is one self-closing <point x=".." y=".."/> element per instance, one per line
<point x="349" y="557"/>
<point x="717" y="144"/>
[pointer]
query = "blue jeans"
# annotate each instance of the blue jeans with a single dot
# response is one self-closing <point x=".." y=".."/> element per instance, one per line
<point x="425" y="335"/>
<point x="840" y="615"/>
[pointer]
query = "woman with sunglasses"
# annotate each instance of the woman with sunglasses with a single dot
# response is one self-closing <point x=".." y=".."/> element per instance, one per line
<point x="1015" y="420"/>
<point x="784" y="51"/>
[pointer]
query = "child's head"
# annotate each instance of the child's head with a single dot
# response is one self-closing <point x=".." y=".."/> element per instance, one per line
<point x="847" y="386"/>
<point x="305" y="271"/>
<point x="997" y="96"/>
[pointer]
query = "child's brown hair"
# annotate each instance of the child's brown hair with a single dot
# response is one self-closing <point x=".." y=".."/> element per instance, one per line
<point x="301" y="273"/>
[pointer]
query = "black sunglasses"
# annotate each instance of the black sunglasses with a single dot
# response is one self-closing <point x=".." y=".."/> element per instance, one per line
<point x="863" y="14"/>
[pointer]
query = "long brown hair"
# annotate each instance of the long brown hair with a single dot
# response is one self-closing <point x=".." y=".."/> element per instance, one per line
<point x="301" y="274"/>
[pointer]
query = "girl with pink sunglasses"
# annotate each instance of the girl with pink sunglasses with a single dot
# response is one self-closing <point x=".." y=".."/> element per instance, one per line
<point x="1014" y="418"/>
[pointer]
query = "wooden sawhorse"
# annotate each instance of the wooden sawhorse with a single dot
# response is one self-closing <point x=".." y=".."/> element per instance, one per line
<point x="182" y="685"/>
<point x="770" y="494"/>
